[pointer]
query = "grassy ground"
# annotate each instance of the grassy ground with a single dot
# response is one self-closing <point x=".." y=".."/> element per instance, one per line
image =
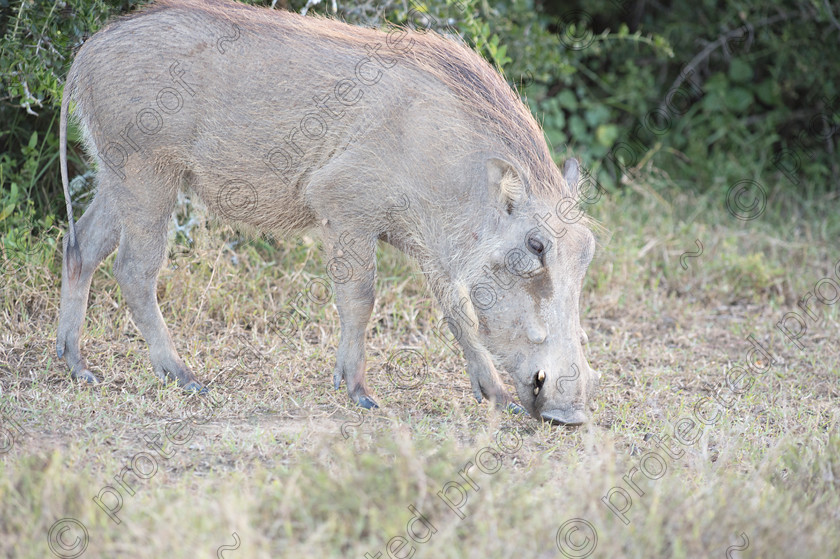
<point x="278" y="464"/>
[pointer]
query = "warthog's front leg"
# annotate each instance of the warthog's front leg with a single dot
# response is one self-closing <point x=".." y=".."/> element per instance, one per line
<point x="484" y="378"/>
<point x="352" y="267"/>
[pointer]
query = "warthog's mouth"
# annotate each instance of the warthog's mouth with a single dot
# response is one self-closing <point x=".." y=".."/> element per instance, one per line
<point x="569" y="417"/>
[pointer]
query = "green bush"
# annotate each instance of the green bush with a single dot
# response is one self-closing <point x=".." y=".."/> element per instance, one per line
<point x="760" y="100"/>
<point x="37" y="41"/>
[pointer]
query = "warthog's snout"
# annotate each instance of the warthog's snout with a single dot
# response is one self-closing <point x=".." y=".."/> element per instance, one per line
<point x="565" y="417"/>
<point x="565" y="400"/>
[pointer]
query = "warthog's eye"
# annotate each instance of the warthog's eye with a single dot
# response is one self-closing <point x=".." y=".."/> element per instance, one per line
<point x="537" y="247"/>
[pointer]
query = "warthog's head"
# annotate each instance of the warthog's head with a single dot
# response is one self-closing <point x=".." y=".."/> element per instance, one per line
<point x="527" y="300"/>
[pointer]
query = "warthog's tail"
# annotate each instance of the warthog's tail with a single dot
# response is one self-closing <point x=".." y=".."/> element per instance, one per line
<point x="72" y="254"/>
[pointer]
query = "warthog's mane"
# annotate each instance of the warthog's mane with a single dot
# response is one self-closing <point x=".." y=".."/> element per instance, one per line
<point x="497" y="109"/>
<point x="498" y="112"/>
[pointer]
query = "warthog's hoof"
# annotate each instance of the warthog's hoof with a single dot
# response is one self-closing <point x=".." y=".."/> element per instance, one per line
<point x="515" y="408"/>
<point x="85" y="375"/>
<point x="367" y="402"/>
<point x="194" y="387"/>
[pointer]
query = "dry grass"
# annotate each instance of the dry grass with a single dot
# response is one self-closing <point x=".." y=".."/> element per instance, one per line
<point x="294" y="470"/>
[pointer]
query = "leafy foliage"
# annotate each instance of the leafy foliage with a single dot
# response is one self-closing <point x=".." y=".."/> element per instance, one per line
<point x="705" y="93"/>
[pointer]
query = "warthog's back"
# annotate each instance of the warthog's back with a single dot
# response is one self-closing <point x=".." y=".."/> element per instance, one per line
<point x="229" y="96"/>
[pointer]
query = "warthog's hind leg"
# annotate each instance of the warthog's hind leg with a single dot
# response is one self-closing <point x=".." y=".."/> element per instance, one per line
<point x="141" y="255"/>
<point x="97" y="233"/>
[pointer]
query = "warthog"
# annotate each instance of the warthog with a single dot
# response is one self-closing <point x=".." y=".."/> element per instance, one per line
<point x="283" y="123"/>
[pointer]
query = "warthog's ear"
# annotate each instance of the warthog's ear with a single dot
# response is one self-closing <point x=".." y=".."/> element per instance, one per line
<point x="571" y="172"/>
<point x="505" y="183"/>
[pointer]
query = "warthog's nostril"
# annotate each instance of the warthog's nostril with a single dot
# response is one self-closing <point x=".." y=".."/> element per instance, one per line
<point x="539" y="380"/>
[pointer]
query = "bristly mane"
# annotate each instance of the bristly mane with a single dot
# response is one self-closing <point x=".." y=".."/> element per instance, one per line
<point x="490" y="99"/>
<point x="479" y="87"/>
